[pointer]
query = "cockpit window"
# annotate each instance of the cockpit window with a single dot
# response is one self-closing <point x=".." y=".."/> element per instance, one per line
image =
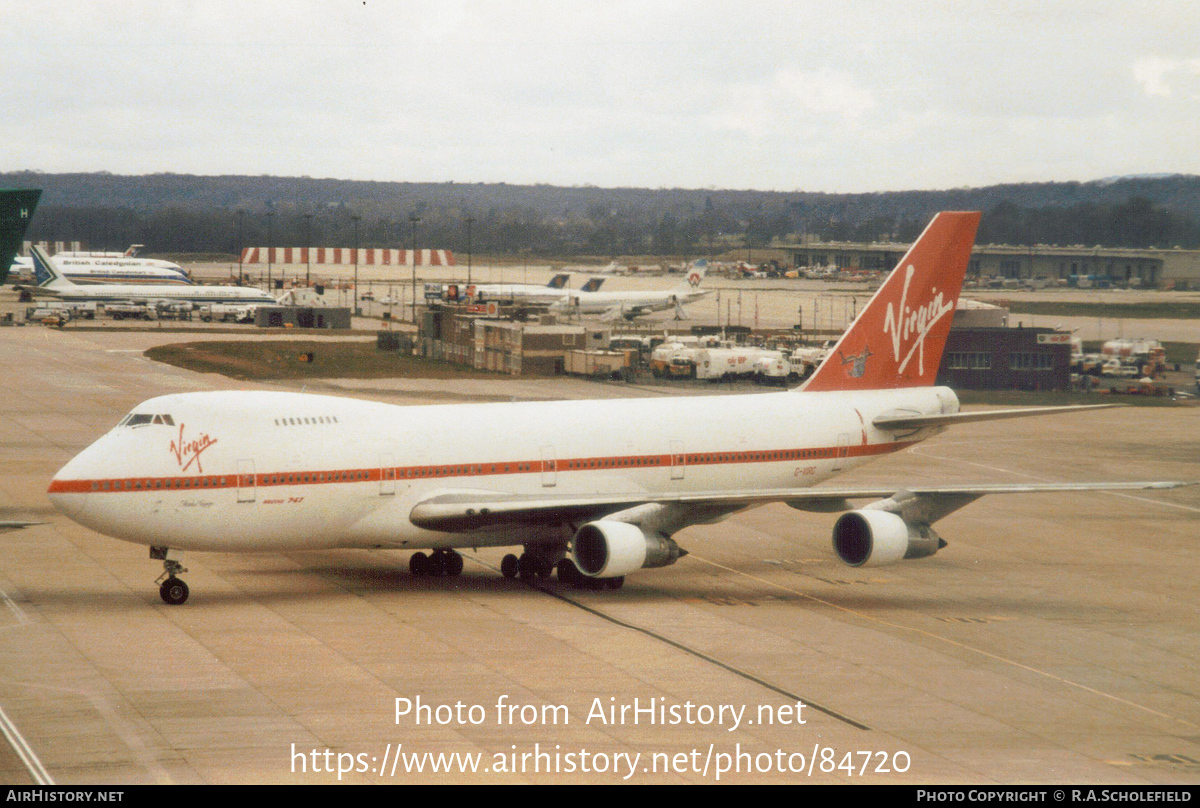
<point x="140" y="419"/>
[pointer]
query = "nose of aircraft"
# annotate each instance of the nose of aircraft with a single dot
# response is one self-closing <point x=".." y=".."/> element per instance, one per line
<point x="70" y="487"/>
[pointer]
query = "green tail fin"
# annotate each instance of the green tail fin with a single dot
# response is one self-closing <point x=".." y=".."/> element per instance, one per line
<point x="16" y="210"/>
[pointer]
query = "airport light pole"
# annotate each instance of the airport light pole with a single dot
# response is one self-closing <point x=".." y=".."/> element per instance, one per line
<point x="356" y="220"/>
<point x="308" y="248"/>
<point x="470" y="219"/>
<point x="270" y="247"/>
<point x="241" y="214"/>
<point x="413" y="219"/>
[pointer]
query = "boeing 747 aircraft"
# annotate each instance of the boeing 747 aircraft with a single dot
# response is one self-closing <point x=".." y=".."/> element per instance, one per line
<point x="598" y="489"/>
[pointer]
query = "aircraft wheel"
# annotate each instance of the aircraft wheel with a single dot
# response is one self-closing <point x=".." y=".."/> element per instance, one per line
<point x="454" y="563"/>
<point x="614" y="583"/>
<point x="510" y="566"/>
<point x="568" y="573"/>
<point x="173" y="591"/>
<point x="437" y="563"/>
<point x="528" y="567"/>
<point x="418" y="564"/>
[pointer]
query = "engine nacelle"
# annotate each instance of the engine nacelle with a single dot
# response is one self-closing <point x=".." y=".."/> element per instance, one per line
<point x="873" y="538"/>
<point x="608" y="549"/>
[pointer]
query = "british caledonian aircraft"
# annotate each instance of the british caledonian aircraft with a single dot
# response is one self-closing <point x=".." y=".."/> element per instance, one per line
<point x="598" y="488"/>
<point x="127" y="267"/>
<point x="615" y="305"/>
<point x="83" y="270"/>
<point x="52" y="282"/>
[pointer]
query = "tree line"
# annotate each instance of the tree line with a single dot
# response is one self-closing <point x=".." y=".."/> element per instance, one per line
<point x="187" y="214"/>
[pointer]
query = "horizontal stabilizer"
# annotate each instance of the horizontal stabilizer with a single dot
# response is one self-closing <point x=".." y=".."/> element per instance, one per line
<point x="902" y="421"/>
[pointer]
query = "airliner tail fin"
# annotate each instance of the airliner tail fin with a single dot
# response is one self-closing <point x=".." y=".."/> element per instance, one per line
<point x="898" y="339"/>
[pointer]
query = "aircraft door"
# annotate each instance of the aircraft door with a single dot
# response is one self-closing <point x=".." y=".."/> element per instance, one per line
<point x="246" y="492"/>
<point x="678" y="460"/>
<point x="387" y="475"/>
<point x="843" y="449"/>
<point x="549" y="467"/>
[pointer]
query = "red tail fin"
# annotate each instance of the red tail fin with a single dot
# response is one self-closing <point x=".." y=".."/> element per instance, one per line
<point x="898" y="339"/>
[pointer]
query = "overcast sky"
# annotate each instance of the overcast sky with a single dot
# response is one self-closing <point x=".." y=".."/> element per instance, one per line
<point x="799" y="95"/>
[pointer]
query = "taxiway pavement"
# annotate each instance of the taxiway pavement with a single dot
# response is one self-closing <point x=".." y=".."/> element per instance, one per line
<point x="1056" y="638"/>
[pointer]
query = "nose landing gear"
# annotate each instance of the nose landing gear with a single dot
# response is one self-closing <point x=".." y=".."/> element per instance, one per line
<point x="173" y="590"/>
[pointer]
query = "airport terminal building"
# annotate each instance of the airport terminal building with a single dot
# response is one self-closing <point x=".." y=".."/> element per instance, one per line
<point x="1111" y="266"/>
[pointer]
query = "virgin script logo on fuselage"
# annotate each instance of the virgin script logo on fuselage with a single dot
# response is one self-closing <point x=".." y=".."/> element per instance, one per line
<point x="907" y="323"/>
<point x="188" y="452"/>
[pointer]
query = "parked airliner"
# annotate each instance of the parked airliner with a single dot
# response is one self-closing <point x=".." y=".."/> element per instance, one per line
<point x="51" y="282"/>
<point x="598" y="489"/>
<point x="629" y="305"/>
<point x="551" y="292"/>
<point x="81" y="269"/>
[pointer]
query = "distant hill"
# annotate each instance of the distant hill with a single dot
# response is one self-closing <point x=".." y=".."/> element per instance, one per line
<point x="185" y="213"/>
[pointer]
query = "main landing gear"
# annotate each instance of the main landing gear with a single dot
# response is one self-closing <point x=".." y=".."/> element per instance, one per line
<point x="530" y="567"/>
<point x="439" y="562"/>
<point x="173" y="590"/>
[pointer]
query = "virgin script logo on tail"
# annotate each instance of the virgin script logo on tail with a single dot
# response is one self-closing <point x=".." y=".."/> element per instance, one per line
<point x="909" y="326"/>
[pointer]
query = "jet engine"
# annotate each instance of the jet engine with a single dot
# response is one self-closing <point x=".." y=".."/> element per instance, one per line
<point x="873" y="538"/>
<point x="609" y="549"/>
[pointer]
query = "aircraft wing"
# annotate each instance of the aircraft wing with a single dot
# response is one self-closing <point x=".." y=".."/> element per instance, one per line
<point x="464" y="512"/>
<point x="34" y="289"/>
<point x="10" y="525"/>
<point x="614" y="313"/>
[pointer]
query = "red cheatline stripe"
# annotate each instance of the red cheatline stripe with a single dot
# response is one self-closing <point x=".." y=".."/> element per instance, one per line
<point x="210" y="481"/>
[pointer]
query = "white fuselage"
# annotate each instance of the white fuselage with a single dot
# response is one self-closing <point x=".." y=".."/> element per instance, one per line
<point x="112" y="270"/>
<point x="154" y="292"/>
<point x="93" y="269"/>
<point x="599" y="302"/>
<point x="524" y="291"/>
<point x="266" y="471"/>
